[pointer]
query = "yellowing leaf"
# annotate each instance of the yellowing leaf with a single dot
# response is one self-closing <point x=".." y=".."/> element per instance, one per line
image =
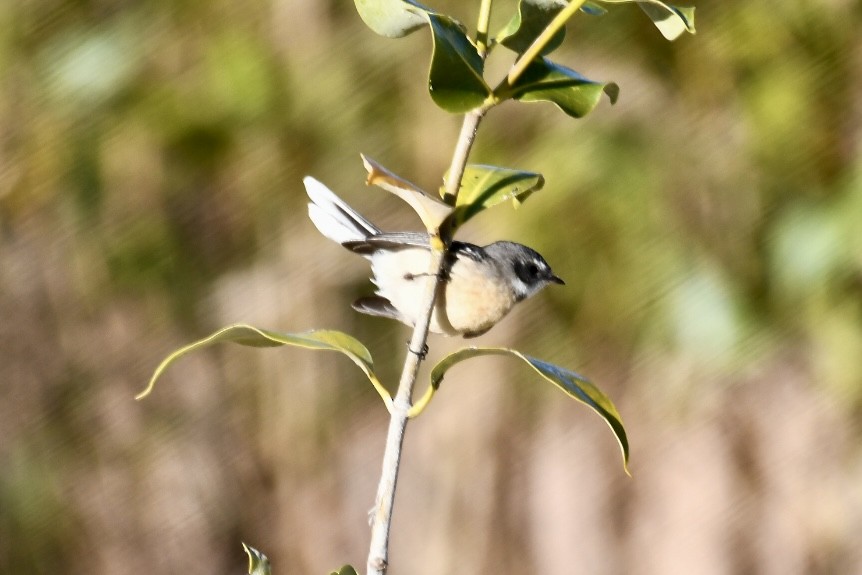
<point x="431" y="211"/>
<point x="258" y="563"/>
<point x="255" y="337"/>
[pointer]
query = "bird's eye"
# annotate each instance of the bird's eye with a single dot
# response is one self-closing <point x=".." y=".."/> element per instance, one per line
<point x="531" y="273"/>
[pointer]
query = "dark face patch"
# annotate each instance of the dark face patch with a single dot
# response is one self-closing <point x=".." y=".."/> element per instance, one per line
<point x="531" y="271"/>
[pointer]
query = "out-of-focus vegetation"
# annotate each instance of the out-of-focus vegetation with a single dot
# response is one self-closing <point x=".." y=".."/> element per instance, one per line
<point x="709" y="228"/>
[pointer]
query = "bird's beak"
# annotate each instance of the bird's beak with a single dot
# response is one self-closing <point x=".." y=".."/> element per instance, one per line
<point x="557" y="280"/>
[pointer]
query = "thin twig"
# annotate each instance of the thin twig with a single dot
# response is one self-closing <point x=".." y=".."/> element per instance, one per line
<point x="482" y="27"/>
<point x="462" y="152"/>
<point x="378" y="555"/>
<point x="542" y="40"/>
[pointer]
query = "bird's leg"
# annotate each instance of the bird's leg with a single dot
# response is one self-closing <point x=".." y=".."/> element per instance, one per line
<point x="420" y="354"/>
<point x="442" y="276"/>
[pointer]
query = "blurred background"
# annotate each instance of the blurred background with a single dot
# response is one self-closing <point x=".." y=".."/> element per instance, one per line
<point x="708" y="226"/>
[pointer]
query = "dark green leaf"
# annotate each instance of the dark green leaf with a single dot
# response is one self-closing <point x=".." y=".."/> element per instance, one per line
<point x="574" y="385"/>
<point x="392" y="18"/>
<point x="572" y="93"/>
<point x="258" y="564"/>
<point x="532" y="18"/>
<point x="346" y="570"/>
<point x="251" y="336"/>
<point x="455" y="79"/>
<point x="671" y="20"/>
<point x="485" y="186"/>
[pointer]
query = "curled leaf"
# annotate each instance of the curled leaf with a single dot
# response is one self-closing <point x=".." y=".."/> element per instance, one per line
<point x="573" y="384"/>
<point x="545" y="81"/>
<point x="258" y="563"/>
<point x="484" y="186"/>
<point x="392" y="18"/>
<point x="431" y="210"/>
<point x="670" y="20"/>
<point x="255" y="337"/>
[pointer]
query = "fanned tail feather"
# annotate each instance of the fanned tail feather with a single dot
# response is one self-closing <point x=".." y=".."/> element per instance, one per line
<point x="333" y="217"/>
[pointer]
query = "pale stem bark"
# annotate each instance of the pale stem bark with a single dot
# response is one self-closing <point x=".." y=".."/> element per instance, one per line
<point x="378" y="555"/>
<point x="462" y="152"/>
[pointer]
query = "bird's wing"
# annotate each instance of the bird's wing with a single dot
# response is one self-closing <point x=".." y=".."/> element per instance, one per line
<point x="463" y="249"/>
<point x="390" y="241"/>
<point x="377" y="306"/>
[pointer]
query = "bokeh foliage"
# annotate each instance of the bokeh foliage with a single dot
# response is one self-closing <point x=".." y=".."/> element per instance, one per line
<point x="151" y="157"/>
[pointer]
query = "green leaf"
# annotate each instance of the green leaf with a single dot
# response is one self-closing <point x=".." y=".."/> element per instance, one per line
<point x="255" y="337"/>
<point x="574" y="385"/>
<point x="346" y="570"/>
<point x="671" y="20"/>
<point x="455" y="78"/>
<point x="483" y="187"/>
<point x="392" y="18"/>
<point x="574" y="94"/>
<point x="533" y="16"/>
<point x="258" y="564"/>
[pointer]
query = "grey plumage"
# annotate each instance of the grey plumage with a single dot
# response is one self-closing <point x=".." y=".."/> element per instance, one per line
<point x="482" y="283"/>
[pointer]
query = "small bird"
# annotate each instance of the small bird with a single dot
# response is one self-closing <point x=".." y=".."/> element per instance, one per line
<point x="482" y="283"/>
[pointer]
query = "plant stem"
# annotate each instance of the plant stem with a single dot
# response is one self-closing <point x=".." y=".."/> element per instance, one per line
<point x="462" y="152"/>
<point x="378" y="555"/>
<point x="535" y="49"/>
<point x="482" y="27"/>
